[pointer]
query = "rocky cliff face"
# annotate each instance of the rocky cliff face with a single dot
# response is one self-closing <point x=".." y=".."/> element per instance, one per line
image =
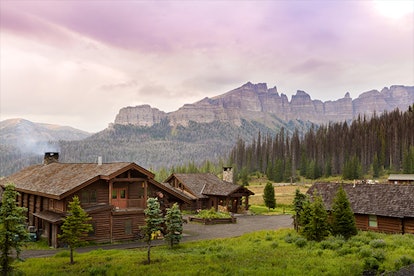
<point x="255" y="102"/>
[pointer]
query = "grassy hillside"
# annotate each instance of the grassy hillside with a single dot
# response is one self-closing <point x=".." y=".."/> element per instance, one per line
<point x="280" y="252"/>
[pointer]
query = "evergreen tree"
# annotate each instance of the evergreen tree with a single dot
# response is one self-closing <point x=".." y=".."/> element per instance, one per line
<point x="298" y="204"/>
<point x="376" y="166"/>
<point x="269" y="196"/>
<point x="75" y="226"/>
<point x="153" y="222"/>
<point x="408" y="161"/>
<point x="174" y="223"/>
<point x="317" y="226"/>
<point x="343" y="220"/>
<point x="352" y="168"/>
<point x="12" y="229"/>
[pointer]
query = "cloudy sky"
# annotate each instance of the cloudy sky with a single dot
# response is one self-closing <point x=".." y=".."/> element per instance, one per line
<point x="77" y="63"/>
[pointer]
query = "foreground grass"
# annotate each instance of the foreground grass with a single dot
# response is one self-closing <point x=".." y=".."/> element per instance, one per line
<point x="280" y="252"/>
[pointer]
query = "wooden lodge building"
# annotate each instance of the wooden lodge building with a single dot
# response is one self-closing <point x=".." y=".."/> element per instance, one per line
<point x="208" y="191"/>
<point x="113" y="194"/>
<point x="377" y="207"/>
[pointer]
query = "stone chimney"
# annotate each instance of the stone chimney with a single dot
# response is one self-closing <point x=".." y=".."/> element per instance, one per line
<point x="51" y="157"/>
<point x="228" y="174"/>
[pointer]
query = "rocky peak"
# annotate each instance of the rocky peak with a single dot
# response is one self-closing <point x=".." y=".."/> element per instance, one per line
<point x="142" y="115"/>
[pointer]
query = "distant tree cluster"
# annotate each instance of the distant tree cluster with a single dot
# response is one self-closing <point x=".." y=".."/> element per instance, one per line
<point x="351" y="150"/>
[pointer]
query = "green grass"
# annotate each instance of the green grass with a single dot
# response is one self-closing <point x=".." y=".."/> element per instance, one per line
<point x="281" y="252"/>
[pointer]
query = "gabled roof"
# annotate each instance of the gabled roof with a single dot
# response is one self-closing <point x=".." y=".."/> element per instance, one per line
<point x="202" y="185"/>
<point x="392" y="200"/>
<point x="56" y="180"/>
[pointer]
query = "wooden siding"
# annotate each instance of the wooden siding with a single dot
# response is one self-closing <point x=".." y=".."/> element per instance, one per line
<point x="102" y="227"/>
<point x="409" y="225"/>
<point x="119" y="221"/>
<point x="385" y="224"/>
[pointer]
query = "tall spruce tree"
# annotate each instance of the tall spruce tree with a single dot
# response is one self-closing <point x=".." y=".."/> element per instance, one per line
<point x="174" y="223"/>
<point x="343" y="220"/>
<point x="269" y="196"/>
<point x="12" y="229"/>
<point x="153" y="222"/>
<point x="316" y="226"/>
<point x="75" y="226"/>
<point x="298" y="204"/>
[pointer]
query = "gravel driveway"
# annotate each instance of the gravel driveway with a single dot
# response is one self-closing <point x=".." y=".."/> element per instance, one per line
<point x="191" y="232"/>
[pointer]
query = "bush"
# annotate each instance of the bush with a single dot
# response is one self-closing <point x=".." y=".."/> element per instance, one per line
<point x="403" y="261"/>
<point x="378" y="243"/>
<point x="371" y="264"/>
<point x="212" y="214"/>
<point x="301" y="242"/>
<point x="365" y="252"/>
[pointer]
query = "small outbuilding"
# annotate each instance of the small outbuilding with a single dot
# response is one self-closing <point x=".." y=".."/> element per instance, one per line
<point x="401" y="179"/>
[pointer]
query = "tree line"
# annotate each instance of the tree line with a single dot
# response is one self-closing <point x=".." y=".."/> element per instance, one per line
<point x="351" y="149"/>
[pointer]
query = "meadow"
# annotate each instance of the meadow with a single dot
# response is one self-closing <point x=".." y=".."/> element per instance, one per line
<point x="281" y="252"/>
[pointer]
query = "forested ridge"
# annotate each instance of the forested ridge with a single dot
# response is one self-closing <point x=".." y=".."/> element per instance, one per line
<point x="364" y="146"/>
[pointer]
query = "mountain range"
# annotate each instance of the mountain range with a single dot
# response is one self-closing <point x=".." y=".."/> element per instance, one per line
<point x="256" y="102"/>
<point x="204" y="130"/>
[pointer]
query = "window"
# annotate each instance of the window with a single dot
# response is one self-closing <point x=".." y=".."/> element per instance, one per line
<point x="373" y="221"/>
<point x="128" y="227"/>
<point x="88" y="196"/>
<point x="92" y="196"/>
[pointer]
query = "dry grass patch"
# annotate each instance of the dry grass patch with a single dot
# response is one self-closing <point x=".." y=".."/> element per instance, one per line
<point x="284" y="193"/>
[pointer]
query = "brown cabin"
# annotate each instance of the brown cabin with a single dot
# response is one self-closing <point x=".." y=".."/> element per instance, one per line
<point x="377" y="207"/>
<point x="113" y="194"/>
<point x="206" y="190"/>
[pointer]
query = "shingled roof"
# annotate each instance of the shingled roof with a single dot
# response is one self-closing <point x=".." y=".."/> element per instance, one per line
<point x="57" y="179"/>
<point x="392" y="200"/>
<point x="205" y="184"/>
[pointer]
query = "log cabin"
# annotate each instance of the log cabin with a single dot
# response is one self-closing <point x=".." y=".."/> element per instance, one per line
<point x="113" y="194"/>
<point x="208" y="191"/>
<point x="377" y="207"/>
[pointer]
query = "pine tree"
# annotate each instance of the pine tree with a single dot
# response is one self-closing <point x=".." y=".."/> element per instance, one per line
<point x="343" y="220"/>
<point x="75" y="226"/>
<point x="153" y="222"/>
<point x="316" y="226"/>
<point x="12" y="230"/>
<point x="174" y="223"/>
<point x="269" y="196"/>
<point x="298" y="203"/>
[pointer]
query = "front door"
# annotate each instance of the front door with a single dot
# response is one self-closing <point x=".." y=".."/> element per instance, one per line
<point x="119" y="197"/>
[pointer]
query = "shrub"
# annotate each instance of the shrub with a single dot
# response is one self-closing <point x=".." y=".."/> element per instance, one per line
<point x="379" y="255"/>
<point x="289" y="238"/>
<point x="332" y="243"/>
<point x="403" y="261"/>
<point x="365" y="252"/>
<point x="301" y="242"/>
<point x="212" y="214"/>
<point x="371" y="263"/>
<point x="378" y="243"/>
